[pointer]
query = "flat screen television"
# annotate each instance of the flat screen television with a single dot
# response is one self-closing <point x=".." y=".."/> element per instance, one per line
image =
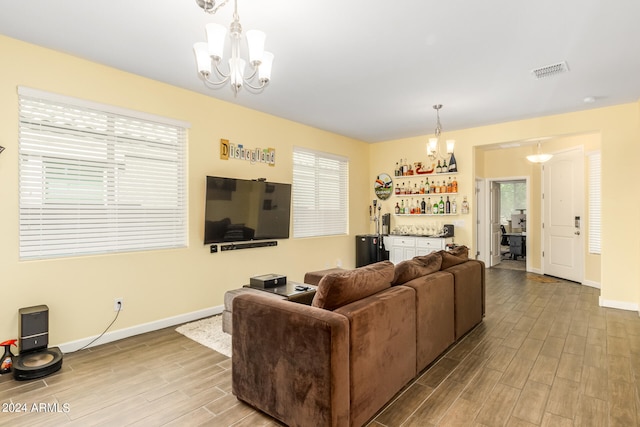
<point x="239" y="210"/>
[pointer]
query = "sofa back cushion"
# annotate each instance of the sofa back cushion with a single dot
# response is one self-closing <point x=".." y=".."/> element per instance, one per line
<point x="449" y="259"/>
<point x="341" y="288"/>
<point x="408" y="270"/>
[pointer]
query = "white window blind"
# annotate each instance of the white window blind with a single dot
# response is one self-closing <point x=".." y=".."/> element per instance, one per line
<point x="595" y="214"/>
<point x="96" y="181"/>
<point x="320" y="193"/>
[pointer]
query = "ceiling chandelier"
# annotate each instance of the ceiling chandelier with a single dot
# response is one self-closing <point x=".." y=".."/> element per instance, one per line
<point x="433" y="146"/>
<point x="209" y="54"/>
<point x="539" y="157"/>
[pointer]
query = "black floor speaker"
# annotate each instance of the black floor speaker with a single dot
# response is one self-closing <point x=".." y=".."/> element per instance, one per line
<point x="36" y="359"/>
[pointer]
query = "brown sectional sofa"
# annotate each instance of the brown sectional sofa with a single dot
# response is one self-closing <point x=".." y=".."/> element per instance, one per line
<point x="368" y="332"/>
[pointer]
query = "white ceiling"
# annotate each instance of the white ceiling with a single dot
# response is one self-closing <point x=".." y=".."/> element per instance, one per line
<point x="371" y="70"/>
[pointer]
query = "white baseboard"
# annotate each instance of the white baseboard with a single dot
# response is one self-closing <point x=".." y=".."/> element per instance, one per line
<point x="622" y="305"/>
<point x="591" y="284"/>
<point x="140" y="329"/>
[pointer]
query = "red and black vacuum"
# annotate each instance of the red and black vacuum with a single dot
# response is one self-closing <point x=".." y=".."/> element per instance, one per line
<point x="7" y="358"/>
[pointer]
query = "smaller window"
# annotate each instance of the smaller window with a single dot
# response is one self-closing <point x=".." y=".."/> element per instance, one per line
<point x="320" y="193"/>
<point x="595" y="214"/>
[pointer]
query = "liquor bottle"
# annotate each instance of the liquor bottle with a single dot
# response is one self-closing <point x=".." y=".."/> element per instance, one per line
<point x="403" y="189"/>
<point x="432" y="188"/>
<point x="437" y="187"/>
<point x="423" y="207"/>
<point x="465" y="206"/>
<point x="397" y="208"/>
<point x="421" y="187"/>
<point x="454" y="206"/>
<point x="439" y="167"/>
<point x="454" y="185"/>
<point x="453" y="166"/>
<point x="443" y="187"/>
<point x="416" y="190"/>
<point x="441" y="206"/>
<point x="447" y="206"/>
<point x="397" y="190"/>
<point x="396" y="170"/>
<point x="405" y="168"/>
<point x="449" y="186"/>
<point x="427" y="190"/>
<point x="445" y="168"/>
<point x="401" y="206"/>
<point x="434" y="210"/>
<point x="429" y="205"/>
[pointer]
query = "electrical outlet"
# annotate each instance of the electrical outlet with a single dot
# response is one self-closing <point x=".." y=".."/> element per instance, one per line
<point x="118" y="304"/>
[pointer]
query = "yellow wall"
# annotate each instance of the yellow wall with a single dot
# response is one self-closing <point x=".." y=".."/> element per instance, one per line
<point x="619" y="131"/>
<point x="156" y="284"/>
<point x="161" y="284"/>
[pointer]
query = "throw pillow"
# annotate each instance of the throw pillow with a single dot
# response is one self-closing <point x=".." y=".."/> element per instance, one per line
<point x="338" y="289"/>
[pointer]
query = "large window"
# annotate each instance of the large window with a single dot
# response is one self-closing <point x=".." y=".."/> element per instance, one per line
<point x="320" y="193"/>
<point x="96" y="179"/>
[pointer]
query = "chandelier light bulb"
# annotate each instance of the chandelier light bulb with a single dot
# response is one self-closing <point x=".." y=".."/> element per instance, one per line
<point x="216" y="36"/>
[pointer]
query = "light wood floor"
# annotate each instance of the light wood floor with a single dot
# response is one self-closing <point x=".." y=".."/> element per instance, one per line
<point x="546" y="354"/>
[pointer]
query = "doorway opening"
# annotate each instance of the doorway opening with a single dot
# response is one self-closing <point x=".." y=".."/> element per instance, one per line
<point x="508" y="206"/>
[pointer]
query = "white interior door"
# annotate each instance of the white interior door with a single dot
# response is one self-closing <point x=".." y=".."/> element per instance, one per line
<point x="563" y="217"/>
<point x="496" y="231"/>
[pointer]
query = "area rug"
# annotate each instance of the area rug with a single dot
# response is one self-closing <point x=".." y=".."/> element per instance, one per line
<point x="208" y="332"/>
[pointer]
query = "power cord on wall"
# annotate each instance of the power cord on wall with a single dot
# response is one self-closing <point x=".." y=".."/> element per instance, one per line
<point x="105" y="331"/>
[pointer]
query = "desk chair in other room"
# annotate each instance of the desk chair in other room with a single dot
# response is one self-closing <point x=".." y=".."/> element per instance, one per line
<point x="504" y="242"/>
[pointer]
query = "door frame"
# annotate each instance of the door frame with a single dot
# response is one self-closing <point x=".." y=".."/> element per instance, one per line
<point x="488" y="182"/>
<point x="481" y="250"/>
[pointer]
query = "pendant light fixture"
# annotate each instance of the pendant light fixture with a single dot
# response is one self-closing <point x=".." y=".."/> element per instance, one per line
<point x="433" y="146"/>
<point x="539" y="157"/>
<point x="209" y="54"/>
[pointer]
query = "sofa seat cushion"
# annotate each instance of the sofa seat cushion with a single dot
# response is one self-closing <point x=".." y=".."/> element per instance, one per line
<point x="410" y="269"/>
<point x="341" y="288"/>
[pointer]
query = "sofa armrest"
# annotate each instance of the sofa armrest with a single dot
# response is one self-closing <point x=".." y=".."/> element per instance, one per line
<point x="469" y="292"/>
<point x="291" y="361"/>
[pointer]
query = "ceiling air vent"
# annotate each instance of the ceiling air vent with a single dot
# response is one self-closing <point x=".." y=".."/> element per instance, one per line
<point x="550" y="70"/>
